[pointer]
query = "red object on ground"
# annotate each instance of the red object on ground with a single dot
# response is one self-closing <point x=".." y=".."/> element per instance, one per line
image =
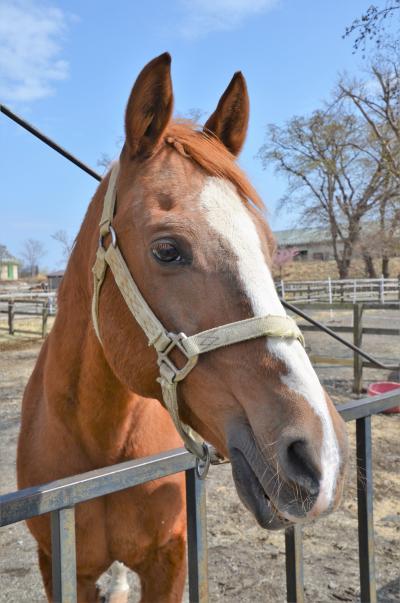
<point x="381" y="387"/>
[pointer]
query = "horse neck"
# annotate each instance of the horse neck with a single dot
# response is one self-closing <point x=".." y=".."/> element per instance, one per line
<point x="79" y="382"/>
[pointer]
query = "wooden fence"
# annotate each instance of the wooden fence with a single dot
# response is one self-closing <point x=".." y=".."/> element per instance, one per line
<point x="39" y="307"/>
<point x="330" y="291"/>
<point x="357" y="329"/>
<point x="43" y="306"/>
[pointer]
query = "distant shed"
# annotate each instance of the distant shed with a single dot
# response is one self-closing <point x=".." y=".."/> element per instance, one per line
<point x="311" y="243"/>
<point x="8" y="267"/>
<point x="54" y="279"/>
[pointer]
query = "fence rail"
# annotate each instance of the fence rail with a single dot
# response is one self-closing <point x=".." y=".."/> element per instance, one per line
<point x="358" y="330"/>
<point x="60" y="497"/>
<point x="345" y="290"/>
<point x="27" y="307"/>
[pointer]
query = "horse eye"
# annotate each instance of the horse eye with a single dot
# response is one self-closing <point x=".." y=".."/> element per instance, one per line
<point x="165" y="251"/>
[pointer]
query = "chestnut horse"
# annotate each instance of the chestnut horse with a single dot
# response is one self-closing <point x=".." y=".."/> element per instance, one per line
<point x="191" y="230"/>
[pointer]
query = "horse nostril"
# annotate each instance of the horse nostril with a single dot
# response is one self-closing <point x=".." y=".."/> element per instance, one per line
<point x="301" y="466"/>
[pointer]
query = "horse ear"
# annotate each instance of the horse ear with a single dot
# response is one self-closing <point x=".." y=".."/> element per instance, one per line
<point x="149" y="107"/>
<point x="230" y="119"/>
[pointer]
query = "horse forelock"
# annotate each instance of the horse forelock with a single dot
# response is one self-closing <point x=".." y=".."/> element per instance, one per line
<point x="206" y="150"/>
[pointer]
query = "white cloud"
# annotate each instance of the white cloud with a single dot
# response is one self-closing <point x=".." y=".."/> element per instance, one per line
<point x="204" y="16"/>
<point x="31" y="36"/>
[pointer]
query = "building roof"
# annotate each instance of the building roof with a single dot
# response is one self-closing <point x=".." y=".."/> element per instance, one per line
<point x="56" y="273"/>
<point x="302" y="236"/>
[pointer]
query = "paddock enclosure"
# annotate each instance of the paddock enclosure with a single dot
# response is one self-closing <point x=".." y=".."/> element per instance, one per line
<point x="244" y="562"/>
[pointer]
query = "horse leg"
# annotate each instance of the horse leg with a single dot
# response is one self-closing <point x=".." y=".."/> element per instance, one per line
<point x="45" y="570"/>
<point x="163" y="574"/>
<point x="87" y="591"/>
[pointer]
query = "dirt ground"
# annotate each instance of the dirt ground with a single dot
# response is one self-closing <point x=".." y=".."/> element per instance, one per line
<point x="246" y="563"/>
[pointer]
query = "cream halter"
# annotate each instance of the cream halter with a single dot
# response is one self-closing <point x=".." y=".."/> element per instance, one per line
<point x="163" y="341"/>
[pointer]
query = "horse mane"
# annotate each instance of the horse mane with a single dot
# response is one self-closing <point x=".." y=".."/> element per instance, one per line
<point x="205" y="149"/>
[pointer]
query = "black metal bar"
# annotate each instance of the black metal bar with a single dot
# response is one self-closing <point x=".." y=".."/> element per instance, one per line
<point x="63" y="555"/>
<point x="197" y="537"/>
<point x="70" y="491"/>
<point x="357" y="409"/>
<point x="294" y="565"/>
<point x="357" y="340"/>
<point x="50" y="143"/>
<point x="366" y="330"/>
<point x="365" y="493"/>
<point x="329" y="331"/>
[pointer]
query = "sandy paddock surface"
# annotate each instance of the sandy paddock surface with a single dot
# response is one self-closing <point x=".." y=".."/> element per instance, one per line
<point x="246" y="563"/>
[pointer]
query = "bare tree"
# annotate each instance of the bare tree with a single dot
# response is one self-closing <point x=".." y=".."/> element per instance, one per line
<point x="3" y="252"/>
<point x="377" y="102"/>
<point x="61" y="236"/>
<point x="104" y="161"/>
<point x="32" y="252"/>
<point x="332" y="179"/>
<point x="373" y="25"/>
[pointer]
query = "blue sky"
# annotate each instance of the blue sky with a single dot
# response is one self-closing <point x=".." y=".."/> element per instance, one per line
<point x="68" y="67"/>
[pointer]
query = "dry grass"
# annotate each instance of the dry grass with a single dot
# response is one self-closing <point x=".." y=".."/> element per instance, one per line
<point x="318" y="270"/>
<point x="20" y="340"/>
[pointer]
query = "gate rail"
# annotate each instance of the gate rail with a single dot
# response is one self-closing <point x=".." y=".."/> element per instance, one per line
<point x="60" y="497"/>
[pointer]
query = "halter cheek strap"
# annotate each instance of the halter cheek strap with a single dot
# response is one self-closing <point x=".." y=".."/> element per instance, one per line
<point x="163" y="341"/>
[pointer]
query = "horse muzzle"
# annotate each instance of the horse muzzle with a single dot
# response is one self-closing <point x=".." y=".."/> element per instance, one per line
<point x="276" y="499"/>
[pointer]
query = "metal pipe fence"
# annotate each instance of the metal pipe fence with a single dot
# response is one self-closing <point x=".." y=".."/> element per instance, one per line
<point x="60" y="498"/>
<point x="331" y="291"/>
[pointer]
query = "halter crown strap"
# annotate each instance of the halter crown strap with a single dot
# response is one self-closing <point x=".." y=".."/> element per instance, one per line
<point x="158" y="337"/>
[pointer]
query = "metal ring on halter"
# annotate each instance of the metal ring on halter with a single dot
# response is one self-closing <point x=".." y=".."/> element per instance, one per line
<point x="113" y="237"/>
<point x="203" y="465"/>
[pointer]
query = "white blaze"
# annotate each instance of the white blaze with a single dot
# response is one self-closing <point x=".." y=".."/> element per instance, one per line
<point x="226" y="215"/>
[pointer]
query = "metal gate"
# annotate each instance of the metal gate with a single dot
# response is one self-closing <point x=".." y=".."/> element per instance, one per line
<point x="60" y="497"/>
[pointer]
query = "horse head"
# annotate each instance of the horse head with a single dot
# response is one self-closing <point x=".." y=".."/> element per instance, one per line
<point x="193" y="234"/>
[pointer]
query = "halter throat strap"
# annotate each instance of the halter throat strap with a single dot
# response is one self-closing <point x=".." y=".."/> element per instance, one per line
<point x="162" y="340"/>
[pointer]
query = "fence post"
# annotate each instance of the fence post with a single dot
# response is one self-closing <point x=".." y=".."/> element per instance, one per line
<point x="282" y="289"/>
<point x="366" y="555"/>
<point x="357" y="340"/>
<point x="197" y="537"/>
<point x="382" y="290"/>
<point x="330" y="290"/>
<point x="11" y="312"/>
<point x="294" y="565"/>
<point x="45" y="314"/>
<point x="63" y="555"/>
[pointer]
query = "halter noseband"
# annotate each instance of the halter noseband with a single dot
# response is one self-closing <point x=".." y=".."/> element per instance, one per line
<point x="163" y="341"/>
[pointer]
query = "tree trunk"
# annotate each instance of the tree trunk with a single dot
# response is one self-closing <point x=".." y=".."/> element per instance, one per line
<point x="385" y="266"/>
<point x="369" y="265"/>
<point x="343" y="263"/>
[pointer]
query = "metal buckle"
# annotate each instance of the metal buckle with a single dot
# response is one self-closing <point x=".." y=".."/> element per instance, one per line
<point x="203" y="464"/>
<point x="113" y="237"/>
<point x="168" y="370"/>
